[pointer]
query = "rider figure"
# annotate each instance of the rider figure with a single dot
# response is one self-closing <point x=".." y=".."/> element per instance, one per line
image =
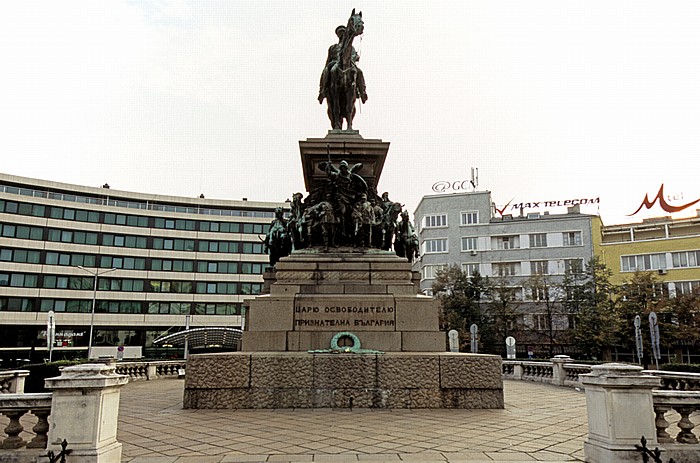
<point x="332" y="60"/>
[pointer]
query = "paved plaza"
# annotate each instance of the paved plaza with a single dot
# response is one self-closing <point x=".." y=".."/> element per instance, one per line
<point x="539" y="423"/>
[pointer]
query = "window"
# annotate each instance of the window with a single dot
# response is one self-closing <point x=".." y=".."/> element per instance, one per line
<point x="685" y="288"/>
<point x="173" y="244"/>
<point x="434" y="246"/>
<point x="470" y="268"/>
<point x="251" y="288"/>
<point x="573" y="266"/>
<point x="434" y="221"/>
<point x="174" y="308"/>
<point x="220" y="246"/>
<point x="247" y="268"/>
<point x="469" y="218"/>
<point x="539" y="267"/>
<point x="505" y="269"/>
<point x="572" y="238"/>
<point x="685" y="259"/>
<point x="643" y="262"/>
<point x="538" y="240"/>
<point x="540" y="321"/>
<point x="538" y="293"/>
<point x="20" y="255"/>
<point x="129" y="263"/>
<point x="217" y="309"/>
<point x="255" y="228"/>
<point x="252" y="248"/>
<point x="507" y="242"/>
<point x="469" y="243"/>
<point x="429" y="272"/>
<point x="172" y="265"/>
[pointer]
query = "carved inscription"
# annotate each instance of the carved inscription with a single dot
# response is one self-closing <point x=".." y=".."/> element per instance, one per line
<point x="346" y="317"/>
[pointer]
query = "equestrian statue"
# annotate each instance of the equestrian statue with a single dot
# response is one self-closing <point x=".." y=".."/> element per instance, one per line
<point x="342" y="81"/>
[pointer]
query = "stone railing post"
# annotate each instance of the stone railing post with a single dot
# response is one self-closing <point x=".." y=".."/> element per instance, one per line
<point x="558" y="373"/>
<point x="620" y="411"/>
<point x="84" y="412"/>
<point x="518" y="371"/>
<point x="151" y="371"/>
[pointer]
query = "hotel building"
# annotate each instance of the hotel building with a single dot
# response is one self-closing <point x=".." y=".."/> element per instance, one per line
<point x="159" y="259"/>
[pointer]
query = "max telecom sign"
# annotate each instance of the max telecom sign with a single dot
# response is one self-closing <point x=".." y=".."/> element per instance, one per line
<point x="511" y="206"/>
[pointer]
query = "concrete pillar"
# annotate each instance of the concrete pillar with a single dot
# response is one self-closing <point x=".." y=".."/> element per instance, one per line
<point x="620" y="411"/>
<point x="558" y="373"/>
<point x="151" y="370"/>
<point x="84" y="412"/>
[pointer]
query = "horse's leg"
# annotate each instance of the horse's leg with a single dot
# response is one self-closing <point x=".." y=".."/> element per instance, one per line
<point x="350" y="104"/>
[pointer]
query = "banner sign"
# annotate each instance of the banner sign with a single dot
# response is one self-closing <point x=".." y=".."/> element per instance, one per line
<point x="509" y="208"/>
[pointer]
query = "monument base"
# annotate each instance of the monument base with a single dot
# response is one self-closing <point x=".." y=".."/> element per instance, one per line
<point x="341" y="380"/>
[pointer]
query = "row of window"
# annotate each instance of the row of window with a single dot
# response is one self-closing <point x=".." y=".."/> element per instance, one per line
<point x="659" y="261"/>
<point x="29" y="280"/>
<point x="17" y="304"/>
<point x="129" y="263"/>
<point x="78" y="215"/>
<point x="470" y="243"/>
<point x="440" y="220"/>
<point x="128" y="241"/>
<point x="537" y="267"/>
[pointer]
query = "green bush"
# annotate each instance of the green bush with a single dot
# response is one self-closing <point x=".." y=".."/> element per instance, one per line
<point x="682" y="367"/>
<point x="38" y="372"/>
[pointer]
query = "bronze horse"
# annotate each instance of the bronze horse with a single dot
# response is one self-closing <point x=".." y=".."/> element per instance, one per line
<point x="343" y="77"/>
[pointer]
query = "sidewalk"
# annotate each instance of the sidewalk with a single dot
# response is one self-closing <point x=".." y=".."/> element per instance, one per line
<point x="539" y="423"/>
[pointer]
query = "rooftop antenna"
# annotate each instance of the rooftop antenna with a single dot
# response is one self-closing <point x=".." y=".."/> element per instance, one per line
<point x="475" y="178"/>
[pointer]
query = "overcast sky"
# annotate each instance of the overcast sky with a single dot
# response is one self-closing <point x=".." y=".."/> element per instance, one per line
<point x="551" y="100"/>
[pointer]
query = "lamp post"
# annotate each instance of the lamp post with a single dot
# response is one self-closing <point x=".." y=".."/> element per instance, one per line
<point x="95" y="273"/>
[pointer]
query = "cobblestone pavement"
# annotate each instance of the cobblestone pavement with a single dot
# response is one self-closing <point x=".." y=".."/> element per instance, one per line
<point x="539" y="423"/>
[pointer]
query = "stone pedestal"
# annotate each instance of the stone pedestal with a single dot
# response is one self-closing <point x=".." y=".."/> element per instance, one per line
<point x="304" y="380"/>
<point x="315" y="295"/>
<point x="620" y="411"/>
<point x="342" y="146"/>
<point x="84" y="412"/>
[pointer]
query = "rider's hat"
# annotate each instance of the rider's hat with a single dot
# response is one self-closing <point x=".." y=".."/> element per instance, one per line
<point x="344" y="163"/>
<point x="340" y="30"/>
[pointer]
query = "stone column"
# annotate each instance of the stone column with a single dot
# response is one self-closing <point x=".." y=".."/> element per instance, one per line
<point x="84" y="412"/>
<point x="620" y="411"/>
<point x="558" y="373"/>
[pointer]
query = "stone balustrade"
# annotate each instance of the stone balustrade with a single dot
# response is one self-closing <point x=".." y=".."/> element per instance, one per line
<point x="84" y="408"/>
<point x="15" y="406"/>
<point x="625" y="403"/>
<point x="676" y="380"/>
<point x="560" y="371"/>
<point x="12" y="382"/>
<point x="151" y="370"/>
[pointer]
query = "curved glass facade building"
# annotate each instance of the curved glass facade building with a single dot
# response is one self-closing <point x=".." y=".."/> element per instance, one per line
<point x="171" y="256"/>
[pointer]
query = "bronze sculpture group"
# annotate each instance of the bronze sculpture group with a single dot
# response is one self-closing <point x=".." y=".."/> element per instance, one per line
<point x="342" y="210"/>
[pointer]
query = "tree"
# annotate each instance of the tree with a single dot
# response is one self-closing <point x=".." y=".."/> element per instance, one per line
<point x="597" y="322"/>
<point x="460" y="299"/>
<point x="641" y="294"/>
<point x="502" y="310"/>
<point x="547" y="297"/>
<point x="684" y="329"/>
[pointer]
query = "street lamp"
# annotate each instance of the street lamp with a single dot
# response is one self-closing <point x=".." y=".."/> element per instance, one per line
<point x="95" y="273"/>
